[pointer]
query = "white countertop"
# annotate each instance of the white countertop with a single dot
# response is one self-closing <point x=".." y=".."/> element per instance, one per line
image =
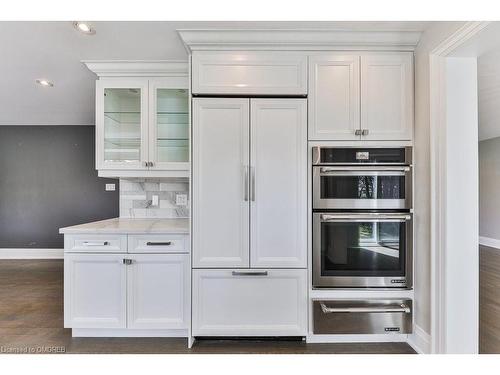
<point x="132" y="226"/>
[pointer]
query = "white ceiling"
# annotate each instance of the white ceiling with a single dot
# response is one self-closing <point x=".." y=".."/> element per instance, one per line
<point x="53" y="50"/>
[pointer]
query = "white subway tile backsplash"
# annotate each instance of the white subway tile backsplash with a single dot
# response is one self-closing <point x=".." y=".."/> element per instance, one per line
<point x="136" y="195"/>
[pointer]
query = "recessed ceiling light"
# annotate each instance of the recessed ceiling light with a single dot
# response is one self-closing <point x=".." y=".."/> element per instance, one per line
<point x="44" y="83"/>
<point x="84" y="27"/>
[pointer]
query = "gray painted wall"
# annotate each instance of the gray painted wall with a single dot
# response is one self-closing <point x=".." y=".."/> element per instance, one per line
<point x="489" y="188"/>
<point x="47" y="181"/>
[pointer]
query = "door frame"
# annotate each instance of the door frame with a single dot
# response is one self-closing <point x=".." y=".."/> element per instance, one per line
<point x="439" y="188"/>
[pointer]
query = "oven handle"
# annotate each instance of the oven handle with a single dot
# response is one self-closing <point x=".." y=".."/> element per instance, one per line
<point x="364" y="217"/>
<point x="329" y="310"/>
<point x="357" y="169"/>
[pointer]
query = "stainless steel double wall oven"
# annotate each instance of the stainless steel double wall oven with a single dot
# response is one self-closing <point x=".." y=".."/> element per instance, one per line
<point x="362" y="220"/>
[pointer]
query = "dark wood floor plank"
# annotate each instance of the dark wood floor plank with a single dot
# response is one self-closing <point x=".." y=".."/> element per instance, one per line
<point x="31" y="315"/>
<point x="489" y="300"/>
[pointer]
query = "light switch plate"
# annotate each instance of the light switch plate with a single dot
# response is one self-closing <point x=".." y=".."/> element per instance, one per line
<point x="181" y="199"/>
<point x="110" y="187"/>
<point x="154" y="200"/>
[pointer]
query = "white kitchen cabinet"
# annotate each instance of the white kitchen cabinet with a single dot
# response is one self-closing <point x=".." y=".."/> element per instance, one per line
<point x="387" y="96"/>
<point x="278" y="208"/>
<point x="247" y="73"/>
<point x="128" y="290"/>
<point x="122" y="123"/>
<point x="244" y="302"/>
<point x="334" y="96"/>
<point x="142" y="118"/>
<point x="158" y="296"/>
<point x="227" y="184"/>
<point x="168" y="130"/>
<point x="366" y="96"/>
<point x="95" y="287"/>
<point x="220" y="182"/>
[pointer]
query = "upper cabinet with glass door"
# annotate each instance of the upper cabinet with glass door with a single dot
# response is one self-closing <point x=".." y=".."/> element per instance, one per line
<point x="122" y="124"/>
<point x="168" y="125"/>
<point x="142" y="119"/>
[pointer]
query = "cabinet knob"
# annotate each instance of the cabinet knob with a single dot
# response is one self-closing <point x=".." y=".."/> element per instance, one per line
<point x="357" y="132"/>
<point x="127" y="261"/>
<point x="365" y="132"/>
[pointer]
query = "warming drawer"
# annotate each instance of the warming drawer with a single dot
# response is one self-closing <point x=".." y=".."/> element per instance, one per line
<point x="362" y="317"/>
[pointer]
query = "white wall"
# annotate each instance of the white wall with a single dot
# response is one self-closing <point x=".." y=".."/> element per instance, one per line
<point x="432" y="37"/>
<point x="462" y="203"/>
<point x="488" y="74"/>
<point x="489" y="186"/>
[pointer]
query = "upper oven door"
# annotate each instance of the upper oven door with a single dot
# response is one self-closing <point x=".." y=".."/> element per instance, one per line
<point x="362" y="187"/>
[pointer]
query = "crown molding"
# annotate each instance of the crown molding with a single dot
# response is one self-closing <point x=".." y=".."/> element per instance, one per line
<point x="138" y="68"/>
<point x="273" y="39"/>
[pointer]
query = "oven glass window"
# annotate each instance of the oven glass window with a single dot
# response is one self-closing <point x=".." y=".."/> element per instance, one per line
<point x="362" y="187"/>
<point x="363" y="248"/>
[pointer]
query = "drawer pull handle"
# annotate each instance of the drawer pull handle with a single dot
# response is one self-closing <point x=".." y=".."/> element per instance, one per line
<point x="127" y="261"/>
<point x="96" y="243"/>
<point x="249" y="273"/>
<point x="167" y="243"/>
<point x="329" y="310"/>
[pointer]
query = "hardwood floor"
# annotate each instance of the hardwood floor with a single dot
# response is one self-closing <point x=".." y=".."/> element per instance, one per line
<point x="31" y="319"/>
<point x="489" y="300"/>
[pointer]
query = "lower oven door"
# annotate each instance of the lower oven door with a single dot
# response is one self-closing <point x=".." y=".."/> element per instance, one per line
<point x="362" y="250"/>
<point x="362" y="317"/>
<point x="366" y="187"/>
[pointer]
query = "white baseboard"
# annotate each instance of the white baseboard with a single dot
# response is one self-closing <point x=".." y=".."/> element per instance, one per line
<point x="490" y="242"/>
<point x="31" y="253"/>
<point x="420" y="341"/>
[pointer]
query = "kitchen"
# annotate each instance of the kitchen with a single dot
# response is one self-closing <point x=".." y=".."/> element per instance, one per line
<point x="269" y="193"/>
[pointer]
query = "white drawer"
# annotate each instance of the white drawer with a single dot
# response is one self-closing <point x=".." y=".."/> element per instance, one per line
<point x="249" y="302"/>
<point x="243" y="73"/>
<point x="158" y="243"/>
<point x="95" y="243"/>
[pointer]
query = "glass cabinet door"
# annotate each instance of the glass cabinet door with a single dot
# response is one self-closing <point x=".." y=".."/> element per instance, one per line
<point x="169" y="127"/>
<point x="122" y="141"/>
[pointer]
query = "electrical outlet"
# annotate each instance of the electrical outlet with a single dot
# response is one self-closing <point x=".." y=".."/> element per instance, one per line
<point x="154" y="200"/>
<point x="181" y="199"/>
<point x="110" y="187"/>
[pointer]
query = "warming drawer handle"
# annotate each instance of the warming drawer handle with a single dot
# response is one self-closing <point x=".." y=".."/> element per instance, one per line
<point x="167" y="243"/>
<point x="96" y="243"/>
<point x="249" y="273"/>
<point x="329" y="310"/>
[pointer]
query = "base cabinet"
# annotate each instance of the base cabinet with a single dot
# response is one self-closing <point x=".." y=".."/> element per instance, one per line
<point x="158" y="292"/>
<point x="95" y="291"/>
<point x="249" y="302"/>
<point x="133" y="291"/>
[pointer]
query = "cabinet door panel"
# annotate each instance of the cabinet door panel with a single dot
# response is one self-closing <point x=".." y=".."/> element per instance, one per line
<point x="249" y="73"/>
<point x="236" y="303"/>
<point x="158" y="291"/>
<point x="334" y="97"/>
<point x="278" y="216"/>
<point x="220" y="158"/>
<point x="94" y="291"/>
<point x="387" y="96"/>
<point x="169" y="123"/>
<point x="122" y="123"/>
